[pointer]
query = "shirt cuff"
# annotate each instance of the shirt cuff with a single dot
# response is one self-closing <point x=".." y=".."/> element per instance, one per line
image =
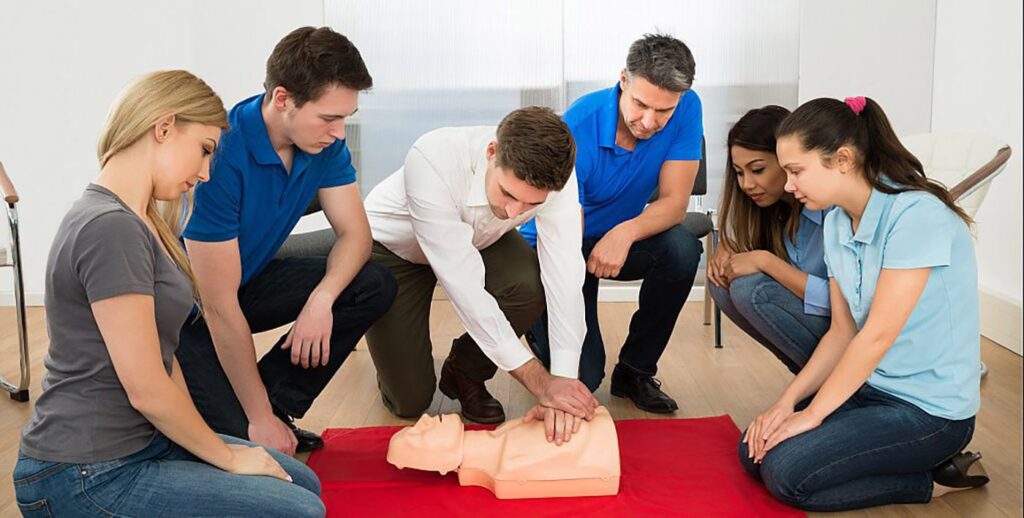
<point x="816" y="297"/>
<point x="511" y="356"/>
<point x="565" y="363"/>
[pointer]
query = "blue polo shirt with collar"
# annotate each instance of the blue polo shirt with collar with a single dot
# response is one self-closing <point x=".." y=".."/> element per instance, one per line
<point x="934" y="362"/>
<point x="615" y="184"/>
<point x="252" y="197"/>
<point x="807" y="254"/>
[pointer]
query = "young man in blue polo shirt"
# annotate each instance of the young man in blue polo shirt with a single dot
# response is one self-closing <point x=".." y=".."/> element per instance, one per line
<point x="641" y="135"/>
<point x="284" y="148"/>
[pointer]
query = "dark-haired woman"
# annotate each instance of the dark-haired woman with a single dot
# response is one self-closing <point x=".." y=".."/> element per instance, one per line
<point x="768" y="274"/>
<point x="881" y="411"/>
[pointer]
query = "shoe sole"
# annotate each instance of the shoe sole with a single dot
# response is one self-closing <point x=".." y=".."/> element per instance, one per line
<point x="621" y="394"/>
<point x="450" y="394"/>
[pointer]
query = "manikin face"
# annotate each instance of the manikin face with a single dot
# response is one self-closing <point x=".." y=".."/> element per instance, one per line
<point x="434" y="443"/>
<point x="645" y="108"/>
<point x="507" y="195"/>
<point x="758" y="175"/>
<point x="181" y="157"/>
<point x="808" y="178"/>
<point x="319" y="122"/>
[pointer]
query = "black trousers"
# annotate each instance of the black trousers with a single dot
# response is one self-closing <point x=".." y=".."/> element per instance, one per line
<point x="273" y="299"/>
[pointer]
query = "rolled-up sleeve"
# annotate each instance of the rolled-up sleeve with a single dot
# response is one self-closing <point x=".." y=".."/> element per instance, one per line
<point x="816" y="296"/>
<point x="562" y="271"/>
<point x="447" y="243"/>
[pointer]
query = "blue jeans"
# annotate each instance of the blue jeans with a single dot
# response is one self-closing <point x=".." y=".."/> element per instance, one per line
<point x="162" y="480"/>
<point x="875" y="449"/>
<point x="772" y="315"/>
<point x="667" y="263"/>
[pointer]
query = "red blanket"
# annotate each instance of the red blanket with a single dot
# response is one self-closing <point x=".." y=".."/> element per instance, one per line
<point x="670" y="467"/>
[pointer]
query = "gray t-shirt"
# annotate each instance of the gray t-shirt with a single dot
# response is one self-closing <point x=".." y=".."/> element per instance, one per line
<point x="102" y="250"/>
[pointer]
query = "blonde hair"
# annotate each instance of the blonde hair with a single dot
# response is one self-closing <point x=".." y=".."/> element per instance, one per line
<point x="139" y="106"/>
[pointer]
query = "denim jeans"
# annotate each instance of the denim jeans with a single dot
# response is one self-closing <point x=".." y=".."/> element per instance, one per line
<point x="163" y="479"/>
<point x="772" y="315"/>
<point x="667" y="263"/>
<point x="875" y="449"/>
<point x="272" y="299"/>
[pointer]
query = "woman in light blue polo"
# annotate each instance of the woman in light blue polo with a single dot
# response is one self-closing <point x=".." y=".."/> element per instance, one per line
<point x="768" y="274"/>
<point x="885" y="405"/>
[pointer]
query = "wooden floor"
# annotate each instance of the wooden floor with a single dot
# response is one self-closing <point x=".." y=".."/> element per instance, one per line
<point x="739" y="380"/>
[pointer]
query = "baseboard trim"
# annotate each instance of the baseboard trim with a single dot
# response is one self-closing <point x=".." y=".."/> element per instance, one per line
<point x="1001" y="320"/>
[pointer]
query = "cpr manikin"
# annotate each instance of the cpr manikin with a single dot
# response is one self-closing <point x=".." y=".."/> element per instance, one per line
<point x="514" y="460"/>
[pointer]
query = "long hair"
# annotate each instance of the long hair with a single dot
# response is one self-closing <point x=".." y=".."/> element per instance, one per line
<point x="139" y="106"/>
<point x="825" y="125"/>
<point x="746" y="226"/>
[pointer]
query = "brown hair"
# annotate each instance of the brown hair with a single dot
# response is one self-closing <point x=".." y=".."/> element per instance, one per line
<point x="309" y="59"/>
<point x="746" y="226"/>
<point x="537" y="146"/>
<point x="825" y="125"/>
<point x="136" y="110"/>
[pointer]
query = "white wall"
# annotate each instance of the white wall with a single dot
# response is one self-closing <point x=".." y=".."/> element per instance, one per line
<point x="875" y="48"/>
<point x="63" y="62"/>
<point x="978" y="86"/>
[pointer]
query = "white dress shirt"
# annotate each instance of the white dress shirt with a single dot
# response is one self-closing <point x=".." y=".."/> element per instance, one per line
<point x="434" y="210"/>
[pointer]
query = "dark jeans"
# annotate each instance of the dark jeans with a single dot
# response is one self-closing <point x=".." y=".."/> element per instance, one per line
<point x="667" y="263"/>
<point x="272" y="299"/>
<point x="163" y="479"/>
<point x="772" y="315"/>
<point x="875" y="449"/>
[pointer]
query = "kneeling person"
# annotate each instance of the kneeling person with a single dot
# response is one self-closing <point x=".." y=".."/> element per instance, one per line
<point x="449" y="216"/>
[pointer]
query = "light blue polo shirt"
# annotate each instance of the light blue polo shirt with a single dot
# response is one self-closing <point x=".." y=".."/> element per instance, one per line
<point x="252" y="196"/>
<point x="616" y="184"/>
<point x="807" y="254"/>
<point x="935" y="362"/>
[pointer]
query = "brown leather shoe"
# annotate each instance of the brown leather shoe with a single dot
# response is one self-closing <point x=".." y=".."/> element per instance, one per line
<point x="477" y="404"/>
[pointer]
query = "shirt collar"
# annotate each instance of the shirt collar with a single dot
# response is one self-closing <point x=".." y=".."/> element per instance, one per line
<point x="816" y="216"/>
<point x="608" y="118"/>
<point x="872" y="216"/>
<point x="250" y="115"/>
<point x="478" y="188"/>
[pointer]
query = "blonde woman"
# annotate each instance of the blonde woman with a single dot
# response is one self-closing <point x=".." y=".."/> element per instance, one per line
<point x="114" y="431"/>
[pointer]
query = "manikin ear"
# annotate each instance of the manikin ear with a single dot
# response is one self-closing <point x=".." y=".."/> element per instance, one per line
<point x="424" y="421"/>
<point x="842" y="159"/>
<point x="163" y="127"/>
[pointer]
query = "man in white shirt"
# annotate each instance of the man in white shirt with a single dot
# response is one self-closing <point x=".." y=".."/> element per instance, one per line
<point x="449" y="215"/>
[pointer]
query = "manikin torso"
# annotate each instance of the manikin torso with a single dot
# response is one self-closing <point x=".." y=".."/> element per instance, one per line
<point x="514" y="460"/>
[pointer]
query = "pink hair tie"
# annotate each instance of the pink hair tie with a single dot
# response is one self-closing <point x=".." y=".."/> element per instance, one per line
<point x="856" y="104"/>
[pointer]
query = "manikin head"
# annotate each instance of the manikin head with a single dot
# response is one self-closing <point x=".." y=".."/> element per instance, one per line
<point x="434" y="443"/>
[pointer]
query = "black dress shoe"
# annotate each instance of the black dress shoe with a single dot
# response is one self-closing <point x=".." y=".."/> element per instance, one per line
<point x="953" y="472"/>
<point x="644" y="390"/>
<point x="478" y="404"/>
<point x="307" y="440"/>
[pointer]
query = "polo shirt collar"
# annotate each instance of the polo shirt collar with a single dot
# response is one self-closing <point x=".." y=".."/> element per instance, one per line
<point x="608" y="118"/>
<point x="251" y="117"/>
<point x="872" y="216"/>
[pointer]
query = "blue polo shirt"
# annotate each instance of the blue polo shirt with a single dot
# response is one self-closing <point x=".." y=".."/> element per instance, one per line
<point x="252" y="197"/>
<point x="615" y="184"/>
<point x="934" y="362"/>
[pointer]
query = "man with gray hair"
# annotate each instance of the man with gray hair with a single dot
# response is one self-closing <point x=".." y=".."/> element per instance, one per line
<point x="641" y="135"/>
